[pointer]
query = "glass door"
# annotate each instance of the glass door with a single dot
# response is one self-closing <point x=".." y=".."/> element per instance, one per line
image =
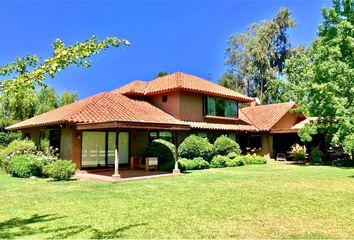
<point x="123" y="147"/>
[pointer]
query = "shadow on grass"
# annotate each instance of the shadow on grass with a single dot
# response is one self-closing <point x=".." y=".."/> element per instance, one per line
<point x="21" y="228"/>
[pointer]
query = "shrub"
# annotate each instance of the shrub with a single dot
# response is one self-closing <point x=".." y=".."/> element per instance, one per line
<point x="60" y="170"/>
<point x="224" y="145"/>
<point x="219" y="162"/>
<point x="164" y="151"/>
<point x="7" y="137"/>
<point x="17" y="147"/>
<point x="25" y="166"/>
<point x="194" y="146"/>
<point x="232" y="155"/>
<point x="298" y="152"/>
<point x="234" y="163"/>
<point x="252" y="159"/>
<point x="195" y="164"/>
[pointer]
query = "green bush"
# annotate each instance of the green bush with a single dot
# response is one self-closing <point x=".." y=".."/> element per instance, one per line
<point x="224" y="145"/>
<point x="234" y="163"/>
<point x="17" y="147"/>
<point x="25" y="166"/>
<point x="298" y="152"/>
<point x="194" y="146"/>
<point x="232" y="155"/>
<point x="219" y="161"/>
<point x="252" y="159"/>
<point x="164" y="151"/>
<point x="7" y="137"/>
<point x="60" y="170"/>
<point x="195" y="164"/>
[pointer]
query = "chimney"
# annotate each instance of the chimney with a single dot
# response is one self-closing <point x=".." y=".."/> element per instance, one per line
<point x="255" y="102"/>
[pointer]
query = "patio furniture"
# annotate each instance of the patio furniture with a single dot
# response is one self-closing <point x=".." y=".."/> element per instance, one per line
<point x="281" y="157"/>
<point x="151" y="162"/>
<point x="136" y="162"/>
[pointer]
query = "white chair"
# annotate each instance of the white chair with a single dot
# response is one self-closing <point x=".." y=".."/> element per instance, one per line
<point x="281" y="157"/>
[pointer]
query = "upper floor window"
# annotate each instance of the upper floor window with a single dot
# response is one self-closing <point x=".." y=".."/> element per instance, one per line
<point x="164" y="98"/>
<point x="220" y="107"/>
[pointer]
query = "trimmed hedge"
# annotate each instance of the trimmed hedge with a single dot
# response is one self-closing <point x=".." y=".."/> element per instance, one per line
<point x="164" y="151"/>
<point x="60" y="170"/>
<point x="25" y="166"/>
<point x="195" y="164"/>
<point x="17" y="147"/>
<point x="7" y="137"/>
<point x="219" y="161"/>
<point x="194" y="146"/>
<point x="235" y="163"/>
<point x="252" y="159"/>
<point x="224" y="145"/>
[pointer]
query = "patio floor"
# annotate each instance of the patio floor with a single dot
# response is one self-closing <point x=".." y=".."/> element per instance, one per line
<point x="105" y="175"/>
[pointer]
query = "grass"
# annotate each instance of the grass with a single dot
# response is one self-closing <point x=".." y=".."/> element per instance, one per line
<point x="264" y="201"/>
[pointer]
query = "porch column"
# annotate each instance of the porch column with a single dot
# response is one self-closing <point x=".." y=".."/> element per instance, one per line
<point x="176" y="170"/>
<point x="116" y="174"/>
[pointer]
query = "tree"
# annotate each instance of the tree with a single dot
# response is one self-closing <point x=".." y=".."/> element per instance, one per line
<point x="321" y="77"/>
<point x="229" y="81"/>
<point x="67" y="98"/>
<point x="161" y="74"/>
<point x="257" y="56"/>
<point x="29" y="71"/>
<point x="47" y="99"/>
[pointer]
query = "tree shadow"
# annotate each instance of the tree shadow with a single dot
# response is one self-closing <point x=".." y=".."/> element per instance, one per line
<point x="20" y="228"/>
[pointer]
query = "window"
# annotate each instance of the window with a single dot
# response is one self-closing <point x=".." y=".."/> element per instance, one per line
<point x="220" y="107"/>
<point x="168" y="136"/>
<point x="232" y="136"/>
<point x="93" y="149"/>
<point x="164" y="98"/>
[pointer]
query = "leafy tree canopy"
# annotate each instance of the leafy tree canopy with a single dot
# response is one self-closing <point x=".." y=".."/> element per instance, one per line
<point x="256" y="58"/>
<point x="321" y="78"/>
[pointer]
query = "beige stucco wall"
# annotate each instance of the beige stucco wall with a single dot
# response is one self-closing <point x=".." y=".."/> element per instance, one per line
<point x="289" y="120"/>
<point x="267" y="145"/>
<point x="172" y="106"/>
<point x="66" y="143"/>
<point x="34" y="132"/>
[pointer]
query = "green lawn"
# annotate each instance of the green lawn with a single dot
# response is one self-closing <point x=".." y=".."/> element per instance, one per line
<point x="265" y="201"/>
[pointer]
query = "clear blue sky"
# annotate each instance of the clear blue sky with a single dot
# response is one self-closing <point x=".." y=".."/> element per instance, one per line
<point x="186" y="36"/>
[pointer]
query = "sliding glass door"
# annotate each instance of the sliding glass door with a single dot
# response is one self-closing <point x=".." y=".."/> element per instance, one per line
<point x="98" y="148"/>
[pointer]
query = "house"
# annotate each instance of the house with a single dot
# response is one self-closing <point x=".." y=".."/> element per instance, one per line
<point x="92" y="131"/>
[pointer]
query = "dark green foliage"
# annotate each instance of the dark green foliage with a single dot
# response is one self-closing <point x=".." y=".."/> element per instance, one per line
<point x="17" y="147"/>
<point x="195" y="164"/>
<point x="7" y="137"/>
<point x="25" y="166"/>
<point x="232" y="155"/>
<point x="194" y="146"/>
<point x="224" y="145"/>
<point x="252" y="159"/>
<point x="219" y="162"/>
<point x="60" y="170"/>
<point x="164" y="151"/>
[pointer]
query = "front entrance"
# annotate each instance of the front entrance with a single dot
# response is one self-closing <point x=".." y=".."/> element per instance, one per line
<point x="98" y="149"/>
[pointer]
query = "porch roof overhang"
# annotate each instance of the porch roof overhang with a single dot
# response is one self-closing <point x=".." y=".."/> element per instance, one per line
<point x="132" y="125"/>
<point x="283" y="130"/>
<point x="221" y="126"/>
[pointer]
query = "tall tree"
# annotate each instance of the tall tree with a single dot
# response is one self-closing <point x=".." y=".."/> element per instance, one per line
<point x="67" y="98"/>
<point x="47" y="99"/>
<point x="257" y="56"/>
<point x="322" y="76"/>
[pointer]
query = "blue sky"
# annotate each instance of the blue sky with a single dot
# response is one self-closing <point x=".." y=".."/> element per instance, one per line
<point x="186" y="36"/>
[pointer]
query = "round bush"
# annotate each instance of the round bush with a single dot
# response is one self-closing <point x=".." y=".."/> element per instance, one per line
<point x="17" y="147"/>
<point x="60" y="170"/>
<point x="194" y="146"/>
<point x="224" y="145"/>
<point x="219" y="162"/>
<point x="232" y="155"/>
<point x="164" y="151"/>
<point x="252" y="159"/>
<point x="25" y="166"/>
<point x="234" y="163"/>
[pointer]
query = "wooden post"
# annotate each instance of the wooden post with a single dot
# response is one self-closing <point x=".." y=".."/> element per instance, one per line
<point x="176" y="170"/>
<point x="116" y="174"/>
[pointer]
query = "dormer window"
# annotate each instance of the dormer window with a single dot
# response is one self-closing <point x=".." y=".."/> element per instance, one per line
<point x="220" y="107"/>
<point x="164" y="98"/>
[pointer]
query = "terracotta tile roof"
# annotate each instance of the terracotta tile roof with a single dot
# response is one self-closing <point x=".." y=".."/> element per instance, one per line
<point x="264" y="117"/>
<point x="221" y="126"/>
<point x="134" y="88"/>
<point x="103" y="107"/>
<point x="182" y="81"/>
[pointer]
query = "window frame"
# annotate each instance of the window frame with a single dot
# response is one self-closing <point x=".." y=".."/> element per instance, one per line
<point x="219" y="101"/>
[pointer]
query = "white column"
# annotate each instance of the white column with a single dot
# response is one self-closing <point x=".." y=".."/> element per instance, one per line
<point x="176" y="170"/>
<point x="116" y="162"/>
